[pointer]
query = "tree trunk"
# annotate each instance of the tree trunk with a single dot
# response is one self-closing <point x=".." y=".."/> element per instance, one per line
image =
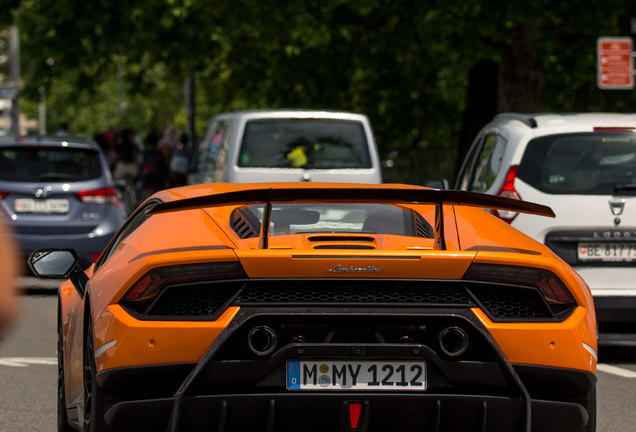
<point x="521" y="75"/>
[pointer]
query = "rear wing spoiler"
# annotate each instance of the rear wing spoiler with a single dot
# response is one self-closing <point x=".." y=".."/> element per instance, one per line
<point x="357" y="195"/>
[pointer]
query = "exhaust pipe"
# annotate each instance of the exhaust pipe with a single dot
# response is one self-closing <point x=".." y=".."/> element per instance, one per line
<point x="261" y="340"/>
<point x="453" y="341"/>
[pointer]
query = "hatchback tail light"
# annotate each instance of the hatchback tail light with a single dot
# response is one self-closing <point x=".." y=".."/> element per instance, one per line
<point x="508" y="191"/>
<point x="107" y="195"/>
<point x="614" y="129"/>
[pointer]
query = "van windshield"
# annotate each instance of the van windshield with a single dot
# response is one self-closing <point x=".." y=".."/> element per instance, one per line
<point x="304" y="143"/>
<point x="598" y="163"/>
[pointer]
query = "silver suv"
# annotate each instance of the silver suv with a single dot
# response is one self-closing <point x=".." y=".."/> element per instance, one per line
<point x="584" y="167"/>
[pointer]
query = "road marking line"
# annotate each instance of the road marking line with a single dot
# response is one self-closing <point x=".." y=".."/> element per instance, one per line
<point x="25" y="361"/>
<point x="614" y="370"/>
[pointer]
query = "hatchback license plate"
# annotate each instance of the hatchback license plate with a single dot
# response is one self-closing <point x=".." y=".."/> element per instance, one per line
<point x="356" y="375"/>
<point x="607" y="251"/>
<point x="28" y="205"/>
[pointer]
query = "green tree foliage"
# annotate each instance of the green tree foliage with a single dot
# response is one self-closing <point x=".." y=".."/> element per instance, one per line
<point x="405" y="63"/>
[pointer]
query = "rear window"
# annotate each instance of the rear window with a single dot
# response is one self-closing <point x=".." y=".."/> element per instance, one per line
<point x="340" y="218"/>
<point x="41" y="163"/>
<point x="585" y="163"/>
<point x="304" y="143"/>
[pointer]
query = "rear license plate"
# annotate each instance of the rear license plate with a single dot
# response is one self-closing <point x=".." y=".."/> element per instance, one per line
<point x="29" y="205"/>
<point x="607" y="251"/>
<point x="356" y="375"/>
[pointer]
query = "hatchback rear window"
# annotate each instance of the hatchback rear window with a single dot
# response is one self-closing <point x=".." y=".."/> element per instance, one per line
<point x="598" y="163"/>
<point x="41" y="163"/>
<point x="304" y="143"/>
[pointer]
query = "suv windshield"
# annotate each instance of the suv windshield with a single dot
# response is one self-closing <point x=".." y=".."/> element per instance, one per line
<point x="42" y="163"/>
<point x="598" y="163"/>
<point x="304" y="143"/>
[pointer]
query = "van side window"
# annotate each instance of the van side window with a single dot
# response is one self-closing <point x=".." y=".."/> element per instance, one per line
<point x="465" y="175"/>
<point x="488" y="163"/>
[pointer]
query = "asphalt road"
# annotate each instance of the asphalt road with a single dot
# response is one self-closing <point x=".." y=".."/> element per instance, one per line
<point x="28" y="371"/>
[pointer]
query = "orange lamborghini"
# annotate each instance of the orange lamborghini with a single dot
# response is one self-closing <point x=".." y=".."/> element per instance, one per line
<point x="323" y="307"/>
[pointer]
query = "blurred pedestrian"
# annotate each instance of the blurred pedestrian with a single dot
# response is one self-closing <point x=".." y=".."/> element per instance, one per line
<point x="8" y="277"/>
<point x="180" y="162"/>
<point x="154" y="169"/>
<point x="63" y="130"/>
<point x="126" y="166"/>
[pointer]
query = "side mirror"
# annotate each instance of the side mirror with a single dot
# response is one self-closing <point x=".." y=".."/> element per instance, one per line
<point x="59" y="263"/>
<point x="53" y="264"/>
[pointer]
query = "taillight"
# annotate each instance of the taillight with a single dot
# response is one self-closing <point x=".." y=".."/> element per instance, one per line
<point x="146" y="289"/>
<point x="614" y="129"/>
<point x="107" y="195"/>
<point x="508" y="191"/>
<point x="552" y="289"/>
<point x="3" y="194"/>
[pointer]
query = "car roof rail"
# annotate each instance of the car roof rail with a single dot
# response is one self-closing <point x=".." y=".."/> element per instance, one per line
<point x="526" y="119"/>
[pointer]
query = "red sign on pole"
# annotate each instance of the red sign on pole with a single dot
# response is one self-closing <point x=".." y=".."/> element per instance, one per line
<point x="615" y="63"/>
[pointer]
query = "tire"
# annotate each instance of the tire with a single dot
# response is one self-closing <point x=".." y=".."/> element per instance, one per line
<point x="95" y="399"/>
<point x="62" y="418"/>
<point x="591" y="411"/>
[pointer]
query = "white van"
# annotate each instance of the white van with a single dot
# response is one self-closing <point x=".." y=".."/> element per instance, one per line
<point x="287" y="145"/>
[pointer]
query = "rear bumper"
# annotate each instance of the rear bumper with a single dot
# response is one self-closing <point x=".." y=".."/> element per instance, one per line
<point x="330" y="412"/>
<point x="227" y="392"/>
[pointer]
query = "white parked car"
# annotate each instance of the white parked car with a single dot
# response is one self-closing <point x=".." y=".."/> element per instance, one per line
<point x="583" y="166"/>
<point x="287" y="145"/>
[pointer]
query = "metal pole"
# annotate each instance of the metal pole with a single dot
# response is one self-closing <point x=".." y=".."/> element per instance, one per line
<point x="14" y="74"/>
<point x="42" y="112"/>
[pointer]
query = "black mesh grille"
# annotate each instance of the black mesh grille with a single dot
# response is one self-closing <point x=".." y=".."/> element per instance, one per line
<point x="511" y="302"/>
<point x="196" y="300"/>
<point x="355" y="292"/>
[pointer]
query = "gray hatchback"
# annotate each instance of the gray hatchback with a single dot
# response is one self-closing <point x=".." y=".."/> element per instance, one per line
<point x="58" y="193"/>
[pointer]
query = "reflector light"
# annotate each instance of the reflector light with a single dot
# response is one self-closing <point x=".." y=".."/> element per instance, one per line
<point x="355" y="408"/>
<point x="107" y="195"/>
<point x="508" y="191"/>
